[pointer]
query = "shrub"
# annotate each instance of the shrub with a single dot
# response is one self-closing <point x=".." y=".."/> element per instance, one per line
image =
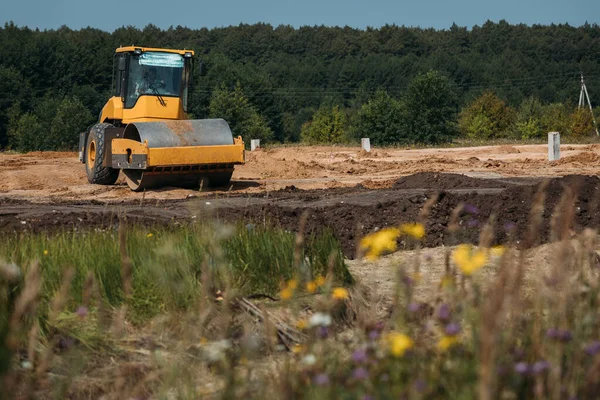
<point x="327" y="126"/>
<point x="487" y="117"/>
<point x="528" y="119"/>
<point x="381" y="120"/>
<point x="582" y="124"/>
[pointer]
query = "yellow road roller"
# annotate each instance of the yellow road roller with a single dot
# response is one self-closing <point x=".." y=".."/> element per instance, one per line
<point x="144" y="131"/>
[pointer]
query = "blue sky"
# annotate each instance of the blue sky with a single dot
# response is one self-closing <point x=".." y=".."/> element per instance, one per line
<point x="111" y="14"/>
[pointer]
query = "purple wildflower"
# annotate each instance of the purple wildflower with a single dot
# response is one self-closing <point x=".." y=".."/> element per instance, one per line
<point x="360" y="373"/>
<point x="562" y="335"/>
<point x="367" y="397"/>
<point x="553" y="333"/>
<point x="322" y="332"/>
<point x="321" y="379"/>
<point x="540" y="366"/>
<point x="82" y="312"/>
<point x="443" y="312"/>
<point x="593" y="348"/>
<point x="414" y="307"/>
<point x="565" y="336"/>
<point x="471" y="209"/>
<point x="359" y="356"/>
<point x="452" y="329"/>
<point x="374" y="335"/>
<point x="521" y="368"/>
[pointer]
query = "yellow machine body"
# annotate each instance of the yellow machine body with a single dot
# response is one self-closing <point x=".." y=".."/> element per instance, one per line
<point x="145" y="131"/>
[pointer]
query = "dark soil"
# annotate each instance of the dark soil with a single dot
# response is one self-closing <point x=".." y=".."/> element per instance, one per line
<point x="348" y="212"/>
<point x="440" y="181"/>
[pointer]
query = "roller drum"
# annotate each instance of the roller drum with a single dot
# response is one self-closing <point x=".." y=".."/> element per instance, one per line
<point x="178" y="133"/>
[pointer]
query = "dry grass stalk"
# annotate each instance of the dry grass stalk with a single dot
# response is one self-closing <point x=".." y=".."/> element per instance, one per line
<point x="126" y="264"/>
<point x="287" y="335"/>
<point x="56" y="306"/>
<point x="25" y="304"/>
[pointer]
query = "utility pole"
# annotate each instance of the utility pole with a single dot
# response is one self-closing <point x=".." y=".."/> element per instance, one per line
<point x="582" y="102"/>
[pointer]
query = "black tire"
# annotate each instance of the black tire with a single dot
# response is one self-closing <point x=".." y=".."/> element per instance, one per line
<point x="94" y="154"/>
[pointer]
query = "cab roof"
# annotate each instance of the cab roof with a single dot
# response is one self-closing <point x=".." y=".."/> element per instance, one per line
<point x="131" y="49"/>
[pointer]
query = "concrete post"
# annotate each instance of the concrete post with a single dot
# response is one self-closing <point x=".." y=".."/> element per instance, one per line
<point x="553" y="146"/>
<point x="365" y="144"/>
<point x="254" y="144"/>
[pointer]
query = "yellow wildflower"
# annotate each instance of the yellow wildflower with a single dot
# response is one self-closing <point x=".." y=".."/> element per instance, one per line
<point x="311" y="287"/>
<point x="286" y="293"/>
<point x="383" y="241"/>
<point x="150" y="235"/>
<point x="203" y="340"/>
<point x="469" y="260"/>
<point x="339" y="293"/>
<point x="498" y="250"/>
<point x="399" y="343"/>
<point x="320" y="280"/>
<point x="298" y="348"/>
<point x="301" y="324"/>
<point x="415" y="230"/>
<point x="292" y="284"/>
<point x="446" y="342"/>
<point x="416" y="277"/>
<point x="45" y="252"/>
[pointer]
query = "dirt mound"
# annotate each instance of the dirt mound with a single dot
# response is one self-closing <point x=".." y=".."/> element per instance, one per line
<point x="430" y="180"/>
<point x="585" y="157"/>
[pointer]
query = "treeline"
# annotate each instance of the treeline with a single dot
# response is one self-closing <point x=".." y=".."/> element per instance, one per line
<point x="393" y="84"/>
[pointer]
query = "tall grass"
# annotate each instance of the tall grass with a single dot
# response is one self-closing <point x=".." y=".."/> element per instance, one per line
<point x="499" y="324"/>
<point x="167" y="262"/>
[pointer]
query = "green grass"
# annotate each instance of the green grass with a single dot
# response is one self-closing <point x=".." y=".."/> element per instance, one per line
<point x="168" y="263"/>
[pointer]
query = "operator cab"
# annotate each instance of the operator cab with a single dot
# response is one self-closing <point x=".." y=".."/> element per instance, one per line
<point x="159" y="73"/>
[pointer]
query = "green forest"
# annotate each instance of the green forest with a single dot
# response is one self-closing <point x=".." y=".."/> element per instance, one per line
<point x="317" y="84"/>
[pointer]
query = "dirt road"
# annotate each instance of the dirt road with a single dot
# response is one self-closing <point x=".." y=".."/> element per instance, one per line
<point x="55" y="176"/>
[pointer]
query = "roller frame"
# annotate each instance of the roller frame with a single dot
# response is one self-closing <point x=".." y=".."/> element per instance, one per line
<point x="130" y="154"/>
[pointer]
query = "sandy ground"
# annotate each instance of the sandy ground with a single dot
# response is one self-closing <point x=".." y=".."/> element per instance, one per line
<point x="59" y="175"/>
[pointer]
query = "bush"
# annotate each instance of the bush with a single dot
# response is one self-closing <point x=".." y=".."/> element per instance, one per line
<point x="327" y="126"/>
<point x="381" y="120"/>
<point x="528" y="119"/>
<point x="28" y="133"/>
<point x="487" y="117"/>
<point x="582" y="124"/>
<point x="54" y="125"/>
<point x="556" y="118"/>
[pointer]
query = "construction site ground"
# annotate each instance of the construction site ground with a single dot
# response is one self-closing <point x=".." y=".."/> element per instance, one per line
<point x="342" y="189"/>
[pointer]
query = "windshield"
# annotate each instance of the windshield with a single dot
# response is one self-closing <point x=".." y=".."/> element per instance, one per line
<point x="155" y="74"/>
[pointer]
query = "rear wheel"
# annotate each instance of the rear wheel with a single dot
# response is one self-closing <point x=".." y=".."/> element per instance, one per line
<point x="96" y="173"/>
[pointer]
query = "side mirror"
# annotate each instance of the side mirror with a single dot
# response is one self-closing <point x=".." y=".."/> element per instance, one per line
<point x="202" y="68"/>
<point x="122" y="64"/>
